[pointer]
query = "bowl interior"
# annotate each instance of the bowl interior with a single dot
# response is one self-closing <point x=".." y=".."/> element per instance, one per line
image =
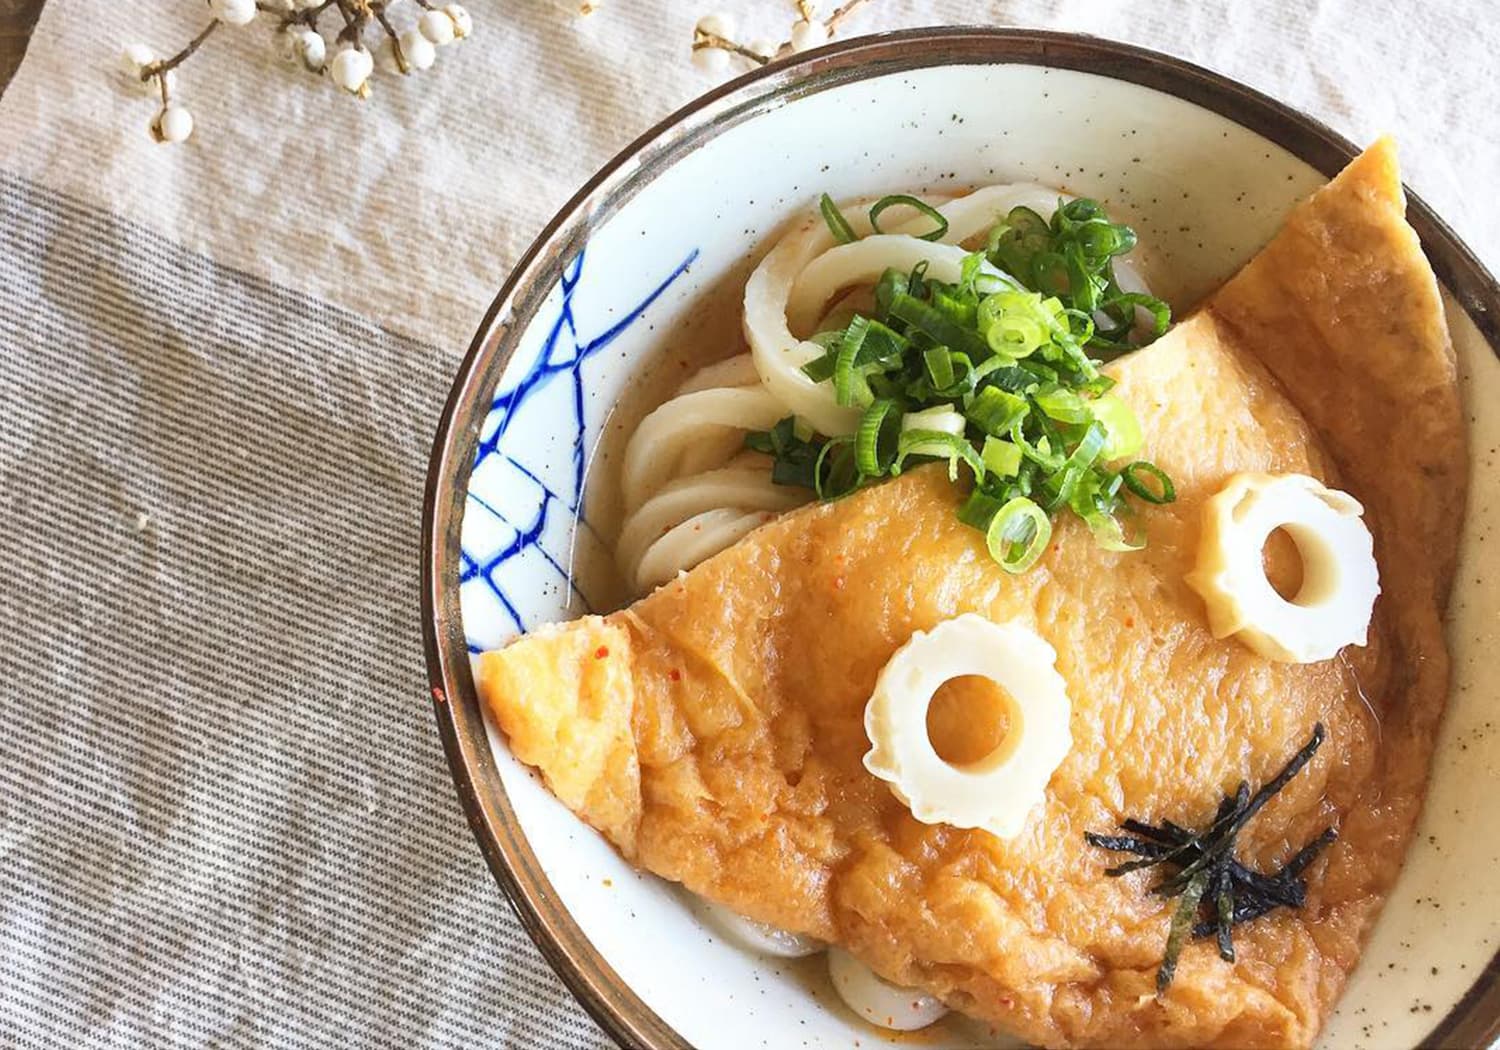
<point x="646" y="287"/>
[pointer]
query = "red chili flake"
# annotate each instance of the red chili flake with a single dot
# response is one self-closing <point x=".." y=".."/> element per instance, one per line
<point x="1130" y="621"/>
<point x="675" y="675"/>
<point x="438" y="695"/>
<point x="601" y="652"/>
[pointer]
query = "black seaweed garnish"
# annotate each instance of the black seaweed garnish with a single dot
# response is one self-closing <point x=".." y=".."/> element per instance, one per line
<point x="1207" y="876"/>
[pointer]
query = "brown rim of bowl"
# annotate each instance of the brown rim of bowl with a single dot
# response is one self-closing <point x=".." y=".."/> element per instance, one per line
<point x="1474" y="1021"/>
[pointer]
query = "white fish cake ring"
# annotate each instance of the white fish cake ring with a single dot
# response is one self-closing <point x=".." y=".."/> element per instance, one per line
<point x="1340" y="580"/>
<point x="998" y="791"/>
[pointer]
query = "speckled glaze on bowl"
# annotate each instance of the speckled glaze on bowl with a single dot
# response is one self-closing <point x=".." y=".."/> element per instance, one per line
<point x="1203" y="167"/>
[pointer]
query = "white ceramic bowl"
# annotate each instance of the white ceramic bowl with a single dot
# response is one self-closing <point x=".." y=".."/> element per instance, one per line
<point x="615" y="289"/>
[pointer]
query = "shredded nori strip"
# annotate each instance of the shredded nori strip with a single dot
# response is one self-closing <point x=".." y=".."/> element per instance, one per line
<point x="1207" y="876"/>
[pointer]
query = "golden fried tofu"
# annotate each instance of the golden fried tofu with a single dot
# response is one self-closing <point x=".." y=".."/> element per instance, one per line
<point x="714" y="730"/>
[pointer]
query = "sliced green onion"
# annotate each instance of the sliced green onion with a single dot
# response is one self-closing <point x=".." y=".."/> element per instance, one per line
<point x="942" y="329"/>
<point x="877" y="439"/>
<point x="1061" y="485"/>
<point x="849" y="386"/>
<point x="882" y="347"/>
<point x="1101" y="239"/>
<point x="968" y="273"/>
<point x="938" y="444"/>
<point x="1161" y="313"/>
<point x="821" y="368"/>
<point x="941" y="418"/>
<point x="939" y="364"/>
<point x="1023" y="221"/>
<point x="1110" y="534"/>
<point x="837" y="224"/>
<point x="1063" y="405"/>
<point x="1165" y="491"/>
<point x="1001" y="458"/>
<point x="894" y="199"/>
<point x="1039" y="452"/>
<point x="1016" y="323"/>
<point x="1122" y="429"/>
<point x="891" y="284"/>
<point x="1006" y="375"/>
<point x="996" y="411"/>
<point x="1018" y="535"/>
<point x="834" y="472"/>
<point x="979" y="509"/>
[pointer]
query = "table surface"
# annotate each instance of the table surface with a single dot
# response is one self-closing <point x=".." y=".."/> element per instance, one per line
<point x="16" y="19"/>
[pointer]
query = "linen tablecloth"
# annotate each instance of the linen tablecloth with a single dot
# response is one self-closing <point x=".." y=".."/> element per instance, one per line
<point x="224" y="813"/>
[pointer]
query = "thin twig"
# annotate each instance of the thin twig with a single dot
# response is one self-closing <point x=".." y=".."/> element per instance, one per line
<point x="169" y="64"/>
<point x="707" y="40"/>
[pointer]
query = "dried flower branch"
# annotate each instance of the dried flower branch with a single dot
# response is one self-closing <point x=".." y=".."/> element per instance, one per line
<point x="714" y="45"/>
<point x="299" y="40"/>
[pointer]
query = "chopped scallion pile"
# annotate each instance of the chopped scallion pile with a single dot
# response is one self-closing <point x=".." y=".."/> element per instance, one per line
<point x="997" y="374"/>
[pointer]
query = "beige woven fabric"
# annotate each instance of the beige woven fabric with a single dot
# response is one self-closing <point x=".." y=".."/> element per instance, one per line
<point x="224" y="815"/>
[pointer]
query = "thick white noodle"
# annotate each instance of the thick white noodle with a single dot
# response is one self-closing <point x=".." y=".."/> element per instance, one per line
<point x="779" y="355"/>
<point x="757" y="936"/>
<point x="877" y="1000"/>
<point x="738" y="370"/>
<point x="655" y="450"/>
<point x="862" y="262"/>
<point x="696" y="539"/>
<point x="710" y="451"/>
<point x="746" y="488"/>
<point x="714" y="450"/>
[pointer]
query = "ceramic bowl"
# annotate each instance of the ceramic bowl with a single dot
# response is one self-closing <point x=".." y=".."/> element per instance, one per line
<point x="641" y="268"/>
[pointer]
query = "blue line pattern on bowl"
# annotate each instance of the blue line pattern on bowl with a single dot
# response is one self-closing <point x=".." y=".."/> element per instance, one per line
<point x="563" y="354"/>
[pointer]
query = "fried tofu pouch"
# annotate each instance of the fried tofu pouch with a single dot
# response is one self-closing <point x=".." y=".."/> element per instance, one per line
<point x="713" y="730"/>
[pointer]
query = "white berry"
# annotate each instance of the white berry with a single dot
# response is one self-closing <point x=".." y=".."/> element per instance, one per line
<point x="764" y="47"/>
<point x="463" y="23"/>
<point x="173" y="124"/>
<point x="710" y="59"/>
<point x="437" y="27"/>
<point x="808" y="35"/>
<point x="233" y="12"/>
<point x="419" y="52"/>
<point x="718" y="24"/>
<point x="351" y="69"/>
<point x="311" y="48"/>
